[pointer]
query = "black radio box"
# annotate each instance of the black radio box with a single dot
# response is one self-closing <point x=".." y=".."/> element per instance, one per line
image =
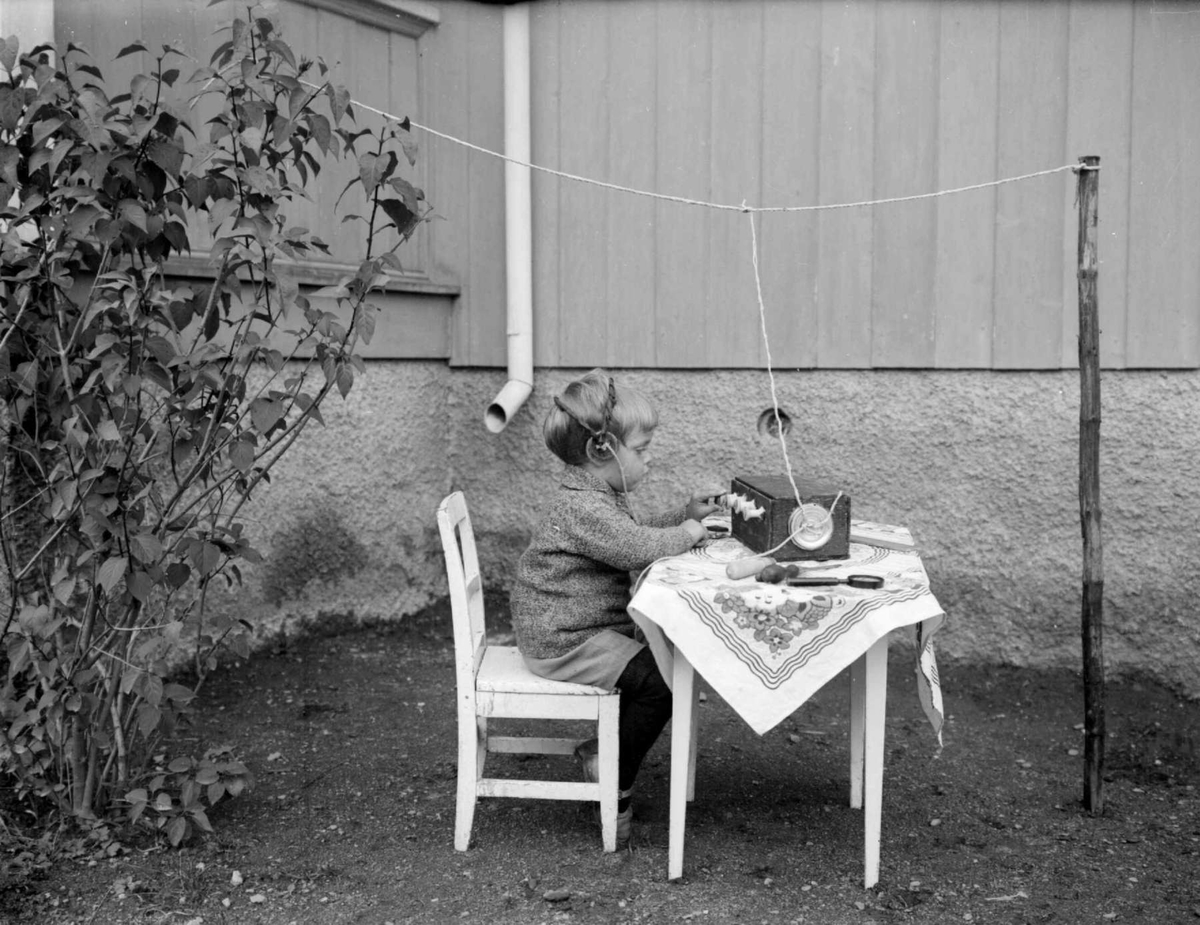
<point x="764" y="514"/>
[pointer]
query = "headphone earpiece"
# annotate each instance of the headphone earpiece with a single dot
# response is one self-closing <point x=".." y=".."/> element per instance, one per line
<point x="600" y="446"/>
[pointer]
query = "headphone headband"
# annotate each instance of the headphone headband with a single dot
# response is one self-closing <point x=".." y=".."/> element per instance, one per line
<point x="602" y="435"/>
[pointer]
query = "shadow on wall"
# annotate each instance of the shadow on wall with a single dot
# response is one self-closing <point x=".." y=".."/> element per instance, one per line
<point x="316" y="546"/>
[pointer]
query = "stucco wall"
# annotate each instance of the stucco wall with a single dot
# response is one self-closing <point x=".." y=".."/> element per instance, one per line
<point x="982" y="466"/>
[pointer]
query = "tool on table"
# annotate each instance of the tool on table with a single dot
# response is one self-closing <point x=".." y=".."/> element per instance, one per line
<point x="870" y="582"/>
<point x="744" y="568"/>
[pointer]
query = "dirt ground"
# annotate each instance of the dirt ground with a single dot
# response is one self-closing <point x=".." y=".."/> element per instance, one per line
<point x="352" y="739"/>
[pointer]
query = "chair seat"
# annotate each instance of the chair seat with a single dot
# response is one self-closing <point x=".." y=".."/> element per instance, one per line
<point x="503" y="671"/>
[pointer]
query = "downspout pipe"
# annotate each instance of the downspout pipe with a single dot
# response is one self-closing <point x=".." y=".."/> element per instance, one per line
<point x="518" y="221"/>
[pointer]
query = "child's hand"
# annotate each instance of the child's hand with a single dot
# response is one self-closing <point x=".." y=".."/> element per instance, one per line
<point x="704" y="502"/>
<point x="695" y="530"/>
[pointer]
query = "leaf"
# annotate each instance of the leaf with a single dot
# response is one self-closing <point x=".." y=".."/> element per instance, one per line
<point x="367" y="313"/>
<point x="345" y="380"/>
<point x="149" y="717"/>
<point x="331" y="292"/>
<point x="141" y="585"/>
<point x="404" y="218"/>
<point x="201" y="819"/>
<point x="9" y="48"/>
<point x="167" y="154"/>
<point x="212" y="323"/>
<point x="152" y="689"/>
<point x="265" y="413"/>
<point x="179" y="765"/>
<point x="111" y="572"/>
<point x="177" y="830"/>
<point x="206" y="776"/>
<point x="241" y="456"/>
<point x="215" y="792"/>
<point x="178" y="574"/>
<point x="296" y="100"/>
<point x="44" y="128"/>
<point x="409" y="146"/>
<point x="12" y="105"/>
<point x="321" y="131"/>
<point x="146" y="547"/>
<point x="374" y="170"/>
<point x="130" y="50"/>
<point x="133" y="213"/>
<point x="206" y="557"/>
<point x="64" y="589"/>
<point x="339" y="102"/>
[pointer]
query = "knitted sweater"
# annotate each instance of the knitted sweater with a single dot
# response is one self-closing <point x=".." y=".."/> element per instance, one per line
<point x="573" y="581"/>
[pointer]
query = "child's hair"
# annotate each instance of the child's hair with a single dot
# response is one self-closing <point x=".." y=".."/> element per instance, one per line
<point x="593" y="410"/>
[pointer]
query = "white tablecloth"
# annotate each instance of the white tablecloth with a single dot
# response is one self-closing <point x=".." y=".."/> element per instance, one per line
<point x="767" y="648"/>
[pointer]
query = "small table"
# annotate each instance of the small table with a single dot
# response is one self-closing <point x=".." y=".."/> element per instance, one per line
<point x="767" y="648"/>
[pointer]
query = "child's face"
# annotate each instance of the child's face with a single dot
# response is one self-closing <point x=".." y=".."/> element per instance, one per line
<point x="629" y="465"/>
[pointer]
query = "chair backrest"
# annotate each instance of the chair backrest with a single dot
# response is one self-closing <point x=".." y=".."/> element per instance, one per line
<point x="466" y="586"/>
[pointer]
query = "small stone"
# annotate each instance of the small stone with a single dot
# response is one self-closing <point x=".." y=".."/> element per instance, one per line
<point x="556" y="896"/>
<point x="226" y="902"/>
<point x="258" y="898"/>
<point x="236" y="878"/>
<point x="935" y="822"/>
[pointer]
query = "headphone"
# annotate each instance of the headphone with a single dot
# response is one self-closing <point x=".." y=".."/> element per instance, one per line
<point x="602" y="444"/>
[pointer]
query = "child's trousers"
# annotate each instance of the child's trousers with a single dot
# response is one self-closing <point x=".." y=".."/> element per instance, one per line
<point x="645" y="709"/>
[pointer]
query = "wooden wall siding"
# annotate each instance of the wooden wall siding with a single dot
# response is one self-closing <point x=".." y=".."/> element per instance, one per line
<point x="784" y="103"/>
<point x="463" y="96"/>
<point x="780" y="103"/>
<point x="1098" y="106"/>
<point x="964" y="271"/>
<point x="1164" y="273"/>
<point x="378" y="66"/>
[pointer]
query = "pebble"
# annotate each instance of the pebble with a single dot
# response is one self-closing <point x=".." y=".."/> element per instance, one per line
<point x="236" y="878"/>
<point x="556" y="896"/>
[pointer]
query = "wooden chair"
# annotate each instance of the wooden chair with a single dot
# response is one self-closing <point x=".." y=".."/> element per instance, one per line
<point x="494" y="682"/>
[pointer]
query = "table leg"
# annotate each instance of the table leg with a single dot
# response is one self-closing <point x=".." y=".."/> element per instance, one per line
<point x="691" y="794"/>
<point x="858" y="691"/>
<point x="683" y="707"/>
<point x="874" y="710"/>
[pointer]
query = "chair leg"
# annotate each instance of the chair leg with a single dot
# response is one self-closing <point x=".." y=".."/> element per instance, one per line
<point x="470" y="765"/>
<point x="608" y="767"/>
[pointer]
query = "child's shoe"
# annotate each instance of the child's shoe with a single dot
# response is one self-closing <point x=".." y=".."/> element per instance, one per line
<point x="624" y="827"/>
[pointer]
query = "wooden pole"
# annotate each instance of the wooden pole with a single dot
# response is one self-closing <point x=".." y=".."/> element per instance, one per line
<point x="1088" y="193"/>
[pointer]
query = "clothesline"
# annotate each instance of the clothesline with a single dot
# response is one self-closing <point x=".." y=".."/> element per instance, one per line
<point x="727" y="206"/>
<point x="743" y="207"/>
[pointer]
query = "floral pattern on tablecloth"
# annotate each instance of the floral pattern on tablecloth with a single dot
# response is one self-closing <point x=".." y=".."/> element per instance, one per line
<point x="776" y="630"/>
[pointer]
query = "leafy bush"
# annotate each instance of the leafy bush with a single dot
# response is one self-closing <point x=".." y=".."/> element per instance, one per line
<point x="143" y="412"/>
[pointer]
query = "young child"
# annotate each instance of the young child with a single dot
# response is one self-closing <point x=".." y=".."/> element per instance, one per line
<point x="573" y="582"/>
